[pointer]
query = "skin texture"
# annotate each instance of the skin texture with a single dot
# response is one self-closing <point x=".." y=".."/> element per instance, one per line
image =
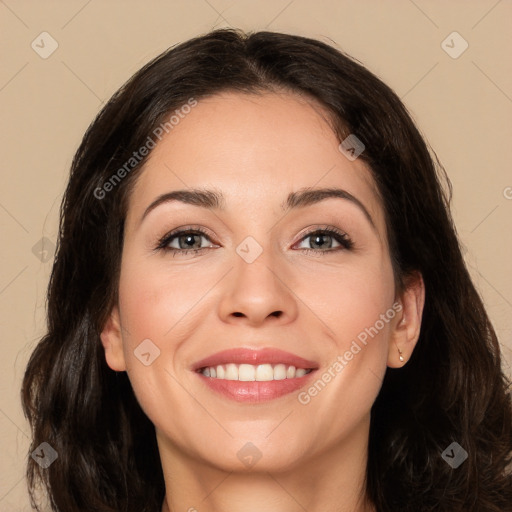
<point x="256" y="149"/>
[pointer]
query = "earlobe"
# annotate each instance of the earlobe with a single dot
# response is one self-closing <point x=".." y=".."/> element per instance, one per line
<point x="407" y="323"/>
<point x="112" y="342"/>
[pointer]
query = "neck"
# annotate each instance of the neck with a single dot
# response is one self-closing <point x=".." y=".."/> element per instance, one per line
<point x="332" y="481"/>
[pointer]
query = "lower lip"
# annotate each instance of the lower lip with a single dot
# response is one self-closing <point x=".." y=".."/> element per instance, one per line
<point x="254" y="391"/>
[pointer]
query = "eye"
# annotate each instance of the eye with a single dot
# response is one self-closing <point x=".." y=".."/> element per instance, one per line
<point x="187" y="241"/>
<point x="324" y="238"/>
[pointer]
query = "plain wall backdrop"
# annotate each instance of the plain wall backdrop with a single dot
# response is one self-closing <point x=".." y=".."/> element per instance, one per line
<point x="61" y="60"/>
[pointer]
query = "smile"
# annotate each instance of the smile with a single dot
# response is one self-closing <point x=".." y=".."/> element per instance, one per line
<point x="252" y="376"/>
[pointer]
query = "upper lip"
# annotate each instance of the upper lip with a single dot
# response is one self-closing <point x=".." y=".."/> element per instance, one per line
<point x="255" y="357"/>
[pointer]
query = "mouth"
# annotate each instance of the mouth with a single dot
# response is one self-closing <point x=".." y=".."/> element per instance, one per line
<point x="254" y="375"/>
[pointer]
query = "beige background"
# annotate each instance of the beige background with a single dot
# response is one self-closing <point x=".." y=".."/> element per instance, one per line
<point x="463" y="106"/>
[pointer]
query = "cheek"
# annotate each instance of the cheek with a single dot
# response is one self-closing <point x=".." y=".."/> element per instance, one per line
<point x="164" y="302"/>
<point x="158" y="299"/>
<point x="355" y="306"/>
<point x="350" y="299"/>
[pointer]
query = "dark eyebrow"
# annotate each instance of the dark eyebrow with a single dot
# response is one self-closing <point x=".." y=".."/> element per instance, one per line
<point x="308" y="196"/>
<point x="197" y="197"/>
<point x="214" y="200"/>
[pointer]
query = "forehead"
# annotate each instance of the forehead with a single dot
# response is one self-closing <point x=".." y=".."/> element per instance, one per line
<point x="256" y="149"/>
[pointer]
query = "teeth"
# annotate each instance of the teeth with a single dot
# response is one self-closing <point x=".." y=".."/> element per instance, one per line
<point x="279" y="372"/>
<point x="231" y="372"/>
<point x="246" y="372"/>
<point x="264" y="372"/>
<point x="249" y="372"/>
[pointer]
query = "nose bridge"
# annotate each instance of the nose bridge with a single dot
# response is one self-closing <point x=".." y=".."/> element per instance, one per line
<point x="254" y="263"/>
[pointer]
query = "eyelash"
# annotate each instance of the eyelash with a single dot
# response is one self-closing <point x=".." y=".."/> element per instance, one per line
<point x="342" y="238"/>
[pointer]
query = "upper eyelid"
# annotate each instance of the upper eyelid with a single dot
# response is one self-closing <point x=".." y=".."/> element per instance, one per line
<point x="186" y="229"/>
<point x="164" y="240"/>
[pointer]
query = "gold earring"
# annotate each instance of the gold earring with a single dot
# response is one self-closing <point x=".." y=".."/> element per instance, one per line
<point x="401" y="357"/>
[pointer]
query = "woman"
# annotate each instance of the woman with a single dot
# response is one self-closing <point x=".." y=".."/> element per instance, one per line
<point x="259" y="301"/>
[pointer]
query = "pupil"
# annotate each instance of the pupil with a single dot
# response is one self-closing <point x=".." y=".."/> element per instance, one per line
<point x="188" y="238"/>
<point x="320" y="237"/>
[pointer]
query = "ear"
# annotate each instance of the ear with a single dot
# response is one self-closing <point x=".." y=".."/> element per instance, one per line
<point x="112" y="342"/>
<point x="407" y="323"/>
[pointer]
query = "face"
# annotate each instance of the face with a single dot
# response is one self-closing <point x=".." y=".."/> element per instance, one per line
<point x="307" y="277"/>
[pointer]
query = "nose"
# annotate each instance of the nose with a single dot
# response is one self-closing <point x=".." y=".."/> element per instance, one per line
<point x="258" y="292"/>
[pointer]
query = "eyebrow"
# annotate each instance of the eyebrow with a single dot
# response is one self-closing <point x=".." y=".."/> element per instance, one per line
<point x="215" y="200"/>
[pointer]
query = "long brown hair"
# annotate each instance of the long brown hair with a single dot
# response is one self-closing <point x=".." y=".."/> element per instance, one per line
<point x="452" y="389"/>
